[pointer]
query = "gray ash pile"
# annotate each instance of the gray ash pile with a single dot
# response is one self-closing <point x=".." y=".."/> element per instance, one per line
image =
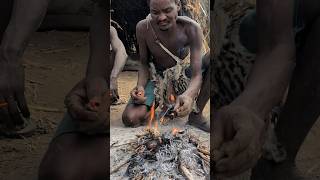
<point x="172" y="155"/>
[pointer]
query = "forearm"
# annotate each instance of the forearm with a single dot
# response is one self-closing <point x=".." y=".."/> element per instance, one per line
<point x="268" y="81"/>
<point x="98" y="63"/>
<point x="143" y="76"/>
<point x="120" y="61"/>
<point x="14" y="39"/>
<point x="194" y="86"/>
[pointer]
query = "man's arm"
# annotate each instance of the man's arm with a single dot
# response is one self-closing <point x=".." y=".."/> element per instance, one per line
<point x="143" y="75"/>
<point x="274" y="62"/>
<point x="240" y="128"/>
<point x="120" y="53"/>
<point x="96" y="76"/>
<point x="195" y="34"/>
<point x="24" y="19"/>
<point x="97" y="65"/>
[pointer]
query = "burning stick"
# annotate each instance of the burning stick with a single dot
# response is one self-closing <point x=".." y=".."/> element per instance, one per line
<point x="186" y="172"/>
<point x="121" y="165"/>
<point x="169" y="109"/>
<point x="204" y="157"/>
<point x="175" y="131"/>
<point x="152" y="111"/>
<point x="204" y="151"/>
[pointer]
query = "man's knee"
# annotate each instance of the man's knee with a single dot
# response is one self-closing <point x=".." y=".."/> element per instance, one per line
<point x="55" y="166"/>
<point x="133" y="117"/>
<point x="130" y="119"/>
<point x="67" y="158"/>
<point x="54" y="172"/>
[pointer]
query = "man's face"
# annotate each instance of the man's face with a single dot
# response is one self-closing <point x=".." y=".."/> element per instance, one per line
<point x="164" y="13"/>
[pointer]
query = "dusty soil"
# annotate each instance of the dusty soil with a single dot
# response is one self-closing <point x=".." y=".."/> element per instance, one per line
<point x="54" y="62"/>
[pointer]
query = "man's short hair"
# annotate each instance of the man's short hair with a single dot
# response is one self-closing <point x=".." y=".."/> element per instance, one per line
<point x="176" y="1"/>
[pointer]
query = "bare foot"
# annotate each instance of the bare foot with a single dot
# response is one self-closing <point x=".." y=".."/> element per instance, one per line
<point x="26" y="130"/>
<point x="198" y="121"/>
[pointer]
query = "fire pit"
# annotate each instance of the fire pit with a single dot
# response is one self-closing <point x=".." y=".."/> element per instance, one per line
<point x="162" y="150"/>
<point x="171" y="155"/>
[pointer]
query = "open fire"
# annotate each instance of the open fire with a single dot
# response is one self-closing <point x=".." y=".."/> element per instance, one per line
<point x="175" y="154"/>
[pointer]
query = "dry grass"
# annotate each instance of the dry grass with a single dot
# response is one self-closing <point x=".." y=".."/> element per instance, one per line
<point x="199" y="10"/>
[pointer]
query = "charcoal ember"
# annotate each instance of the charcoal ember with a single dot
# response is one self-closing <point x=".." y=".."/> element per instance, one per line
<point x="166" y="137"/>
<point x="152" y="145"/>
<point x="193" y="140"/>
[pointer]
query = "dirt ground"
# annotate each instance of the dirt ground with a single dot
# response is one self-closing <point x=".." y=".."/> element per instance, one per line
<point x="54" y="61"/>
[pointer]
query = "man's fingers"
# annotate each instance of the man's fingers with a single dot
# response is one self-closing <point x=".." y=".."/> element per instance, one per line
<point x="177" y="105"/>
<point x="182" y="111"/>
<point x="218" y="131"/>
<point x="76" y="103"/>
<point x="240" y="141"/>
<point x="217" y="155"/>
<point x="5" y="116"/>
<point x="23" y="106"/>
<point x="134" y="94"/>
<point x="13" y="110"/>
<point x="183" y="108"/>
<point x="232" y="166"/>
<point x="94" y="103"/>
<point x="79" y="112"/>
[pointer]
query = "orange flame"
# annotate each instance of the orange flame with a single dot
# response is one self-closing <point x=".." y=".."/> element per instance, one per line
<point x="172" y="98"/>
<point x="151" y="116"/>
<point x="175" y="131"/>
<point x="156" y="126"/>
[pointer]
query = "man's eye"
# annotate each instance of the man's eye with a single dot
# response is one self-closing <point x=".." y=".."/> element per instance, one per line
<point x="155" y="12"/>
<point x="168" y="10"/>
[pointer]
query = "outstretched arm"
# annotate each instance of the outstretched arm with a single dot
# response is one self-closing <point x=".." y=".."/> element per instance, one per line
<point x="25" y="19"/>
<point x="96" y="76"/>
<point x="240" y="127"/>
<point x="143" y="53"/>
<point x="185" y="101"/>
<point x="275" y="58"/>
<point x="88" y="102"/>
<point x="120" y="54"/>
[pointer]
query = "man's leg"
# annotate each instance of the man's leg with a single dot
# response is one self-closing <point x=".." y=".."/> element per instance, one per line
<point x="302" y="106"/>
<point x="197" y="119"/>
<point x="25" y="18"/>
<point x="134" y="115"/>
<point x="73" y="156"/>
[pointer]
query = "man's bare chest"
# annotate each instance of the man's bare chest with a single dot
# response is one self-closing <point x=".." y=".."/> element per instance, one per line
<point x="177" y="45"/>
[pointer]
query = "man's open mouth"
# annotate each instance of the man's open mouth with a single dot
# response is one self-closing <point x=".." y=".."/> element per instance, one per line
<point x="163" y="23"/>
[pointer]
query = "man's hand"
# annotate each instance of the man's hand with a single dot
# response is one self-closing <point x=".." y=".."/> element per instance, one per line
<point x="91" y="113"/>
<point x="114" y="90"/>
<point x="137" y="95"/>
<point x="12" y="93"/>
<point x="238" y="138"/>
<point x="183" y="105"/>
